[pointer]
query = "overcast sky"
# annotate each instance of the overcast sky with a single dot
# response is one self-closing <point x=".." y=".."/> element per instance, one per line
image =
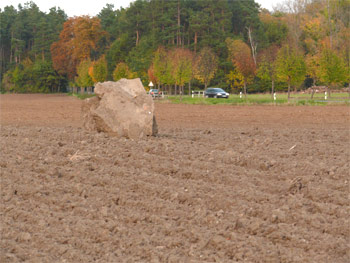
<point x="92" y="8"/>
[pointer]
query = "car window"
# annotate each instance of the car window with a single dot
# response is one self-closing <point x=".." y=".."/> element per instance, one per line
<point x="219" y="90"/>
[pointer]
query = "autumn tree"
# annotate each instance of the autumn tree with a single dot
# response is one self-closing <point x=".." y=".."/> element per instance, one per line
<point x="241" y="57"/>
<point x="332" y="68"/>
<point x="83" y="78"/>
<point x="98" y="70"/>
<point x="313" y="67"/>
<point x="313" y="34"/>
<point x="267" y="66"/>
<point x="151" y="75"/>
<point x="122" y="71"/>
<point x="290" y="67"/>
<point x="206" y="64"/>
<point x="235" y="79"/>
<point x="163" y="67"/>
<point x="160" y="65"/>
<point x="79" y="37"/>
<point x="181" y="60"/>
<point x="61" y="51"/>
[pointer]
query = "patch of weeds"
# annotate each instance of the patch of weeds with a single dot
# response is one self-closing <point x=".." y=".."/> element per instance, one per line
<point x="82" y="96"/>
<point x="301" y="102"/>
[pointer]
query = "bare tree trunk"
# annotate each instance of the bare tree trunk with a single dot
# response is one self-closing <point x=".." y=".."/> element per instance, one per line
<point x="329" y="24"/>
<point x="272" y="88"/>
<point x="11" y="48"/>
<point x="189" y="38"/>
<point x="195" y="41"/>
<point x="253" y="45"/>
<point x="178" y="40"/>
<point x="223" y="24"/>
<point x="245" y="89"/>
<point x="2" y="56"/>
<point x="181" y="91"/>
<point x="137" y="37"/>
<point x="313" y="88"/>
<point x="288" y="90"/>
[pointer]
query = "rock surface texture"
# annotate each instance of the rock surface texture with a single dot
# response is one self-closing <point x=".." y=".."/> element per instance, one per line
<point x="121" y="109"/>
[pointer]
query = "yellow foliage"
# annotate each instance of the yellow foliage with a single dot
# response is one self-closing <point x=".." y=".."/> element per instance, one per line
<point x="235" y="79"/>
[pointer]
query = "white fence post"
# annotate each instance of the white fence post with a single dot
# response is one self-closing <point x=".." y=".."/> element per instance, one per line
<point x="197" y="93"/>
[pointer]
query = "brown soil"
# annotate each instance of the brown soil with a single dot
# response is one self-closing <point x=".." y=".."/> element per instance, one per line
<point x="218" y="184"/>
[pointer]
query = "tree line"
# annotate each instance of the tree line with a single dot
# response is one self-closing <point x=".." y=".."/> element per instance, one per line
<point x="179" y="44"/>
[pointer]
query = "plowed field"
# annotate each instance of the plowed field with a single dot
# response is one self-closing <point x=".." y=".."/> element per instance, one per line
<point x="218" y="184"/>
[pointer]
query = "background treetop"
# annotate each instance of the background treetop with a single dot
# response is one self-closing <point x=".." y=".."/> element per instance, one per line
<point x="133" y="35"/>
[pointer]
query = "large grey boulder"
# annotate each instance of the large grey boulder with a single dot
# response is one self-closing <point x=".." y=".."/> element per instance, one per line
<point x="121" y="109"/>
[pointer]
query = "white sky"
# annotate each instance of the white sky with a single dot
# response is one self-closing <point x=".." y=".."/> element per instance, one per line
<point x="92" y="8"/>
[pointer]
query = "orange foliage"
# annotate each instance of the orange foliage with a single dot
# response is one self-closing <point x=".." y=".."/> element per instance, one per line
<point x="242" y="58"/>
<point x="91" y="71"/>
<point x="78" y="38"/>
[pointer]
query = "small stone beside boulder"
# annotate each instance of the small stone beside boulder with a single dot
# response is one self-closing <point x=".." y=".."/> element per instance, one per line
<point x="121" y="109"/>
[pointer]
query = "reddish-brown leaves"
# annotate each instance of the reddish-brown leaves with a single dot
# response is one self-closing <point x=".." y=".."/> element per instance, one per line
<point x="78" y="38"/>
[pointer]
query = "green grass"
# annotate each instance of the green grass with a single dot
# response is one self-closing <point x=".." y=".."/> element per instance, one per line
<point x="81" y="96"/>
<point x="252" y="99"/>
<point x="264" y="99"/>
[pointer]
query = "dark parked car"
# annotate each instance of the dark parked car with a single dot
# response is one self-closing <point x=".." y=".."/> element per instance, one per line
<point x="216" y="93"/>
<point x="154" y="93"/>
